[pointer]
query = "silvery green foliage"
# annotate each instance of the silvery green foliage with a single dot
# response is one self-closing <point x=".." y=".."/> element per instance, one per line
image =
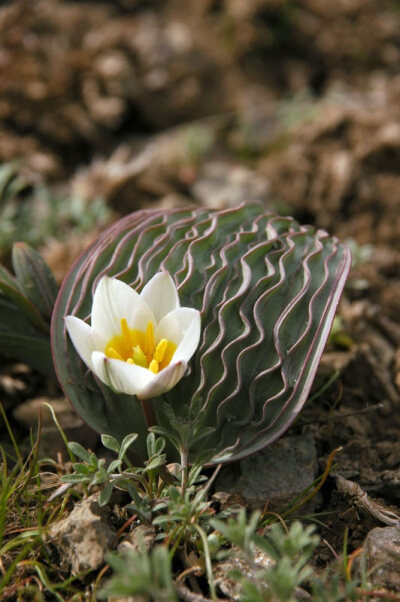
<point x="288" y="550"/>
<point x="267" y="289"/>
<point x="141" y="573"/>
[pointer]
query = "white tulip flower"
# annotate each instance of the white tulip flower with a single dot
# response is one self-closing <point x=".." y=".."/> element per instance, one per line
<point x="138" y="344"/>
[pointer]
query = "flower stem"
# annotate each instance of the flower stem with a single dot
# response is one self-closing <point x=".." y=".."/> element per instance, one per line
<point x="148" y="412"/>
<point x="184" y="470"/>
<point x="207" y="559"/>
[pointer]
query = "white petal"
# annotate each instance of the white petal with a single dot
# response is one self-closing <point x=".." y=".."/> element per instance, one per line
<point x="81" y="337"/>
<point x="190" y="341"/>
<point x="182" y="327"/>
<point x="113" y="300"/>
<point x="164" y="381"/>
<point x="161" y="295"/>
<point x="121" y="376"/>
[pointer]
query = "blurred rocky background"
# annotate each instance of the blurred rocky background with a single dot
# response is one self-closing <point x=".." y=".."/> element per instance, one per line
<point x="210" y="101"/>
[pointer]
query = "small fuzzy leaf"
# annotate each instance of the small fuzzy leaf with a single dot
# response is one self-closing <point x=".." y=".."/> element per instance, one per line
<point x="78" y="450"/>
<point x="155" y="463"/>
<point x="105" y="494"/>
<point x="110" y="443"/>
<point x="150" y="444"/>
<point x="159" y="445"/>
<point x="133" y="492"/>
<point x="114" y="465"/>
<point x="162" y="519"/>
<point x="81" y="468"/>
<point x="34" y="278"/>
<point x="100" y="476"/>
<point x="126" y="443"/>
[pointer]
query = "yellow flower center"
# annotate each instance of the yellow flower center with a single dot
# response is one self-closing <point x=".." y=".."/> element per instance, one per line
<point x="137" y="347"/>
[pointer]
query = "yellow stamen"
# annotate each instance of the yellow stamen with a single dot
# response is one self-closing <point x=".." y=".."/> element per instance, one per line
<point x="125" y="332"/>
<point x="149" y="341"/>
<point x="160" y="350"/>
<point x="113" y="354"/>
<point x="168" y="354"/>
<point x="136" y="347"/>
<point x="153" y="366"/>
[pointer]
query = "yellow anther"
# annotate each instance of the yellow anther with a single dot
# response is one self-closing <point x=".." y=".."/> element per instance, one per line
<point x="139" y="357"/>
<point x="168" y="354"/>
<point x="149" y="347"/>
<point x="113" y="354"/>
<point x="125" y="332"/>
<point x="160" y="350"/>
<point x="137" y="347"/>
<point x="153" y="366"/>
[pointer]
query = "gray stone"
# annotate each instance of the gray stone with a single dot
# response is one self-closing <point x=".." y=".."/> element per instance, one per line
<point x="382" y="550"/>
<point x="84" y="536"/>
<point x="274" y="476"/>
<point x="141" y="537"/>
<point x="232" y="587"/>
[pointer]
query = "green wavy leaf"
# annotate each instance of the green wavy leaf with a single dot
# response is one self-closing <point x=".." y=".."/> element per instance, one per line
<point x="267" y="289"/>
